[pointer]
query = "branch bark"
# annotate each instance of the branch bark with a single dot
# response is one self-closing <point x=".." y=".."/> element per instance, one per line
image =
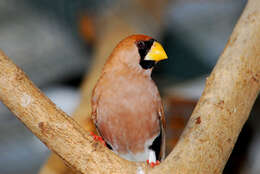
<point x="204" y="146"/>
<point x="225" y="104"/>
<point x="53" y="127"/>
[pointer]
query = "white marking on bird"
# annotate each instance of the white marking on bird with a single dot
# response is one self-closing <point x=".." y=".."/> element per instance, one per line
<point x="152" y="156"/>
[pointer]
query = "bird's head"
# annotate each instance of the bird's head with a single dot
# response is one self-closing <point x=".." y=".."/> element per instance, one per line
<point x="139" y="52"/>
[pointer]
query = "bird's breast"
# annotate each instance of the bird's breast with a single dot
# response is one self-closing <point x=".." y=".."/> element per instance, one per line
<point x="127" y="114"/>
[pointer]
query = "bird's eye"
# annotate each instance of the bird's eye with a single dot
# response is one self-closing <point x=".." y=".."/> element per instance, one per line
<point x="141" y="44"/>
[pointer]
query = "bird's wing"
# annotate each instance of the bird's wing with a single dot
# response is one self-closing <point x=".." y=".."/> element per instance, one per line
<point x="163" y="128"/>
<point x="158" y="145"/>
<point x="94" y="103"/>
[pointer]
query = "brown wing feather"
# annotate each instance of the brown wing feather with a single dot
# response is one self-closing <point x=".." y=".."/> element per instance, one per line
<point x="163" y="128"/>
<point x="95" y="98"/>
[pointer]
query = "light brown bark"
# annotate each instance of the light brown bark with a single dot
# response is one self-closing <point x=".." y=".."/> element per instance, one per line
<point x="205" y="145"/>
<point x="225" y="104"/>
<point x="52" y="126"/>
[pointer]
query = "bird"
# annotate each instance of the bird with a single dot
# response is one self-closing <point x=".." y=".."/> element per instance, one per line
<point x="127" y="109"/>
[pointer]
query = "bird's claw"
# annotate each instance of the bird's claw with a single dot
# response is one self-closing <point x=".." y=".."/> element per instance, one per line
<point x="152" y="164"/>
<point x="98" y="138"/>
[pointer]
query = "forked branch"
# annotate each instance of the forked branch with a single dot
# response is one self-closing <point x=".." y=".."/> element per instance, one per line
<point x="204" y="146"/>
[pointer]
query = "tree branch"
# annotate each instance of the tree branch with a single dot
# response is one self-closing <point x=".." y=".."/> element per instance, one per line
<point x="53" y="127"/>
<point x="204" y="146"/>
<point x="225" y="104"/>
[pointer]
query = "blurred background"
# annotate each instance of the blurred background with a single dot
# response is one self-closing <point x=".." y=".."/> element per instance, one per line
<point x="61" y="44"/>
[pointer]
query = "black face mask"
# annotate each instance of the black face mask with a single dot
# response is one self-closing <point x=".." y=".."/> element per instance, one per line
<point x="143" y="49"/>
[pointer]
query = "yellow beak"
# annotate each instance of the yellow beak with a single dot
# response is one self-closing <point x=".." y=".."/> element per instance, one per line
<point x="156" y="53"/>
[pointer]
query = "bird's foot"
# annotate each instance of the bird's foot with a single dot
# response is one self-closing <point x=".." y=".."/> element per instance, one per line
<point x="98" y="138"/>
<point x="152" y="164"/>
